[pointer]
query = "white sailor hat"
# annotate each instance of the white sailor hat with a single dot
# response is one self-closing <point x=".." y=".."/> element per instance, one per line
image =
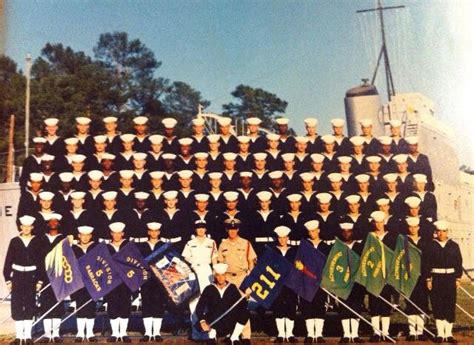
<point x="141" y="195"/>
<point x="201" y="197"/>
<point x="385" y="140"/>
<point x="395" y="123"/>
<point x="155" y="139"/>
<point x="273" y="137"/>
<point x="412" y="221"/>
<point x="282" y="121"/>
<point x="111" y="195"/>
<point x="66" y="177"/>
<point x="378" y="216"/>
<point x="95" y="175"/>
<point x="224" y="121"/>
<point x="441" y="225"/>
<point x="357" y="140"/>
<point x="71" y="141"/>
<point x="391" y="177"/>
<point x="335" y="177"/>
<point x="413" y="201"/>
<point x="328" y="139"/>
<point x="139" y="156"/>
<point x="382" y="201"/>
<point x="100" y="139"/>
<point x="344" y="159"/>
<point x="421" y="178"/>
<point x="294" y="197"/>
<point x="140" y="120"/>
<point x="27" y="220"/>
<point x="171" y="194"/>
<point x="282" y="231"/>
<point x="47" y="158"/>
<point x="215" y="175"/>
<point x="229" y="156"/>
<point x="220" y="268"/>
<point x="352" y="199"/>
<point x="288" y="157"/>
<point x="231" y="196"/>
<point x="346" y="226"/>
<point x="48" y="196"/>
<point x="36" y="177"/>
<point x="307" y="176"/>
<point x="128" y="137"/>
<point x="213" y="138"/>
<point x="48" y="216"/>
<point x="317" y="158"/>
<point x="108" y="156"/>
<point x="83" y="120"/>
<point x="109" y="119"/>
<point x="39" y="140"/>
<point x="337" y="122"/>
<point x="243" y="139"/>
<point x="185" y="174"/>
<point x="171" y="156"/>
<point x="324" y="198"/>
<point x="260" y="156"/>
<point x="311" y="225"/>
<point x="301" y="139"/>
<point x="275" y="174"/>
<point x="185" y="141"/>
<point x="245" y="174"/>
<point x="126" y="174"/>
<point x="362" y="178"/>
<point x="400" y="158"/>
<point x="373" y="159"/>
<point x="78" y="195"/>
<point x="254" y="121"/>
<point x="264" y="195"/>
<point x="51" y="121"/>
<point x="198" y="121"/>
<point x="85" y="230"/>
<point x="157" y="174"/>
<point x="365" y="122"/>
<point x="201" y="155"/>
<point x="232" y="223"/>
<point x="169" y="122"/>
<point x="153" y="226"/>
<point x="412" y="140"/>
<point x="117" y="227"/>
<point x="311" y="122"/>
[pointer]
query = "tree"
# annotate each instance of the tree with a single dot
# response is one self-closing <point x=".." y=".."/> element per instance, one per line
<point x="255" y="102"/>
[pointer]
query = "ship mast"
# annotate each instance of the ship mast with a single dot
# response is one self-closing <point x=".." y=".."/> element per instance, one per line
<point x="383" y="50"/>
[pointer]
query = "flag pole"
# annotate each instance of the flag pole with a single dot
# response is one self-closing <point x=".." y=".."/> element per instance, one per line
<point x="40" y="291"/>
<point x="5" y="320"/>
<point x="4" y="298"/>
<point x="66" y="318"/>
<point x="464" y="311"/>
<point x="356" y="313"/>
<point x="413" y="304"/>
<point x="403" y="313"/>
<point x="466" y="292"/>
<point x="227" y="311"/>
<point x="44" y="315"/>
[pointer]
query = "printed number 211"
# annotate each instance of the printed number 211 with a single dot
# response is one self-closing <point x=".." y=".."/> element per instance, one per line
<point x="261" y="292"/>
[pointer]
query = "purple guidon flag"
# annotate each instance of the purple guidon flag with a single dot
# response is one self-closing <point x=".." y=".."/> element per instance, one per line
<point x="62" y="269"/>
<point x="99" y="272"/>
<point x="133" y="268"/>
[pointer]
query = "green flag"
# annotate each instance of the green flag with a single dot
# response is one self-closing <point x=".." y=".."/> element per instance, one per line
<point x="375" y="263"/>
<point x="406" y="266"/>
<point x="340" y="269"/>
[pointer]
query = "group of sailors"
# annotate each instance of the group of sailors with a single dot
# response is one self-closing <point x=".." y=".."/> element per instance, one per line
<point x="219" y="199"/>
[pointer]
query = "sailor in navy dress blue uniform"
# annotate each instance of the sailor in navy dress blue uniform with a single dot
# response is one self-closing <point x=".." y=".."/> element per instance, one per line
<point x="114" y="145"/>
<point x="257" y="142"/>
<point x="153" y="161"/>
<point x="328" y="219"/>
<point x="295" y="218"/>
<point x="77" y="216"/>
<point x="343" y="145"/>
<point x="174" y="223"/>
<point x="32" y="163"/>
<point x="101" y="219"/>
<point x="244" y="156"/>
<point x="442" y="270"/>
<point x="228" y="141"/>
<point x="24" y="276"/>
<point x="353" y="215"/>
<point x="140" y="126"/>
<point x="315" y="144"/>
<point x="199" y="143"/>
<point x="54" y="143"/>
<point x="124" y="158"/>
<point x="263" y="220"/>
<point x="287" y="141"/>
<point x="419" y="163"/>
<point x="86" y="142"/>
<point x="170" y="142"/>
<point x="29" y="197"/>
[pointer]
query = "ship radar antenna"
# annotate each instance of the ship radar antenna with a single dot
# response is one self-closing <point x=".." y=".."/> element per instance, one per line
<point x="383" y="50"/>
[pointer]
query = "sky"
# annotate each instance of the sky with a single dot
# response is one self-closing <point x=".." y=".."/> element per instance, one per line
<point x="309" y="53"/>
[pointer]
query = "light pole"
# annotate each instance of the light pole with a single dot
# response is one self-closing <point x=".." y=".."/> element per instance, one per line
<point x="27" y="104"/>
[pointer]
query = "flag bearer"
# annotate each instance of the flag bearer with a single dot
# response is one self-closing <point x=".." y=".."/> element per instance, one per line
<point x="442" y="268"/>
<point x="200" y="251"/>
<point x="153" y="295"/>
<point x="86" y="315"/>
<point x="23" y="277"/>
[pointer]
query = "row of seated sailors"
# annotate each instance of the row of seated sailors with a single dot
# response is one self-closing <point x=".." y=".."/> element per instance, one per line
<point x="258" y="222"/>
<point x="143" y="141"/>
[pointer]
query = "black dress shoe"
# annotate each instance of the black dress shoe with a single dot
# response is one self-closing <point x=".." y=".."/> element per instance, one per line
<point x="57" y="340"/>
<point x="242" y="342"/>
<point x="126" y="339"/>
<point x="375" y="339"/>
<point x="78" y="340"/>
<point x="344" y="340"/>
<point x="45" y="340"/>
<point x="29" y="341"/>
<point x="92" y="340"/>
<point x="437" y="340"/>
<point x="278" y="340"/>
<point x="145" y="339"/>
<point x="422" y="337"/>
<point x="292" y="340"/>
<point x="112" y="339"/>
<point x="320" y="340"/>
<point x="411" y="338"/>
<point x="158" y="338"/>
<point x="451" y="340"/>
<point x="16" y="342"/>
<point x="308" y="340"/>
<point x="357" y="340"/>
